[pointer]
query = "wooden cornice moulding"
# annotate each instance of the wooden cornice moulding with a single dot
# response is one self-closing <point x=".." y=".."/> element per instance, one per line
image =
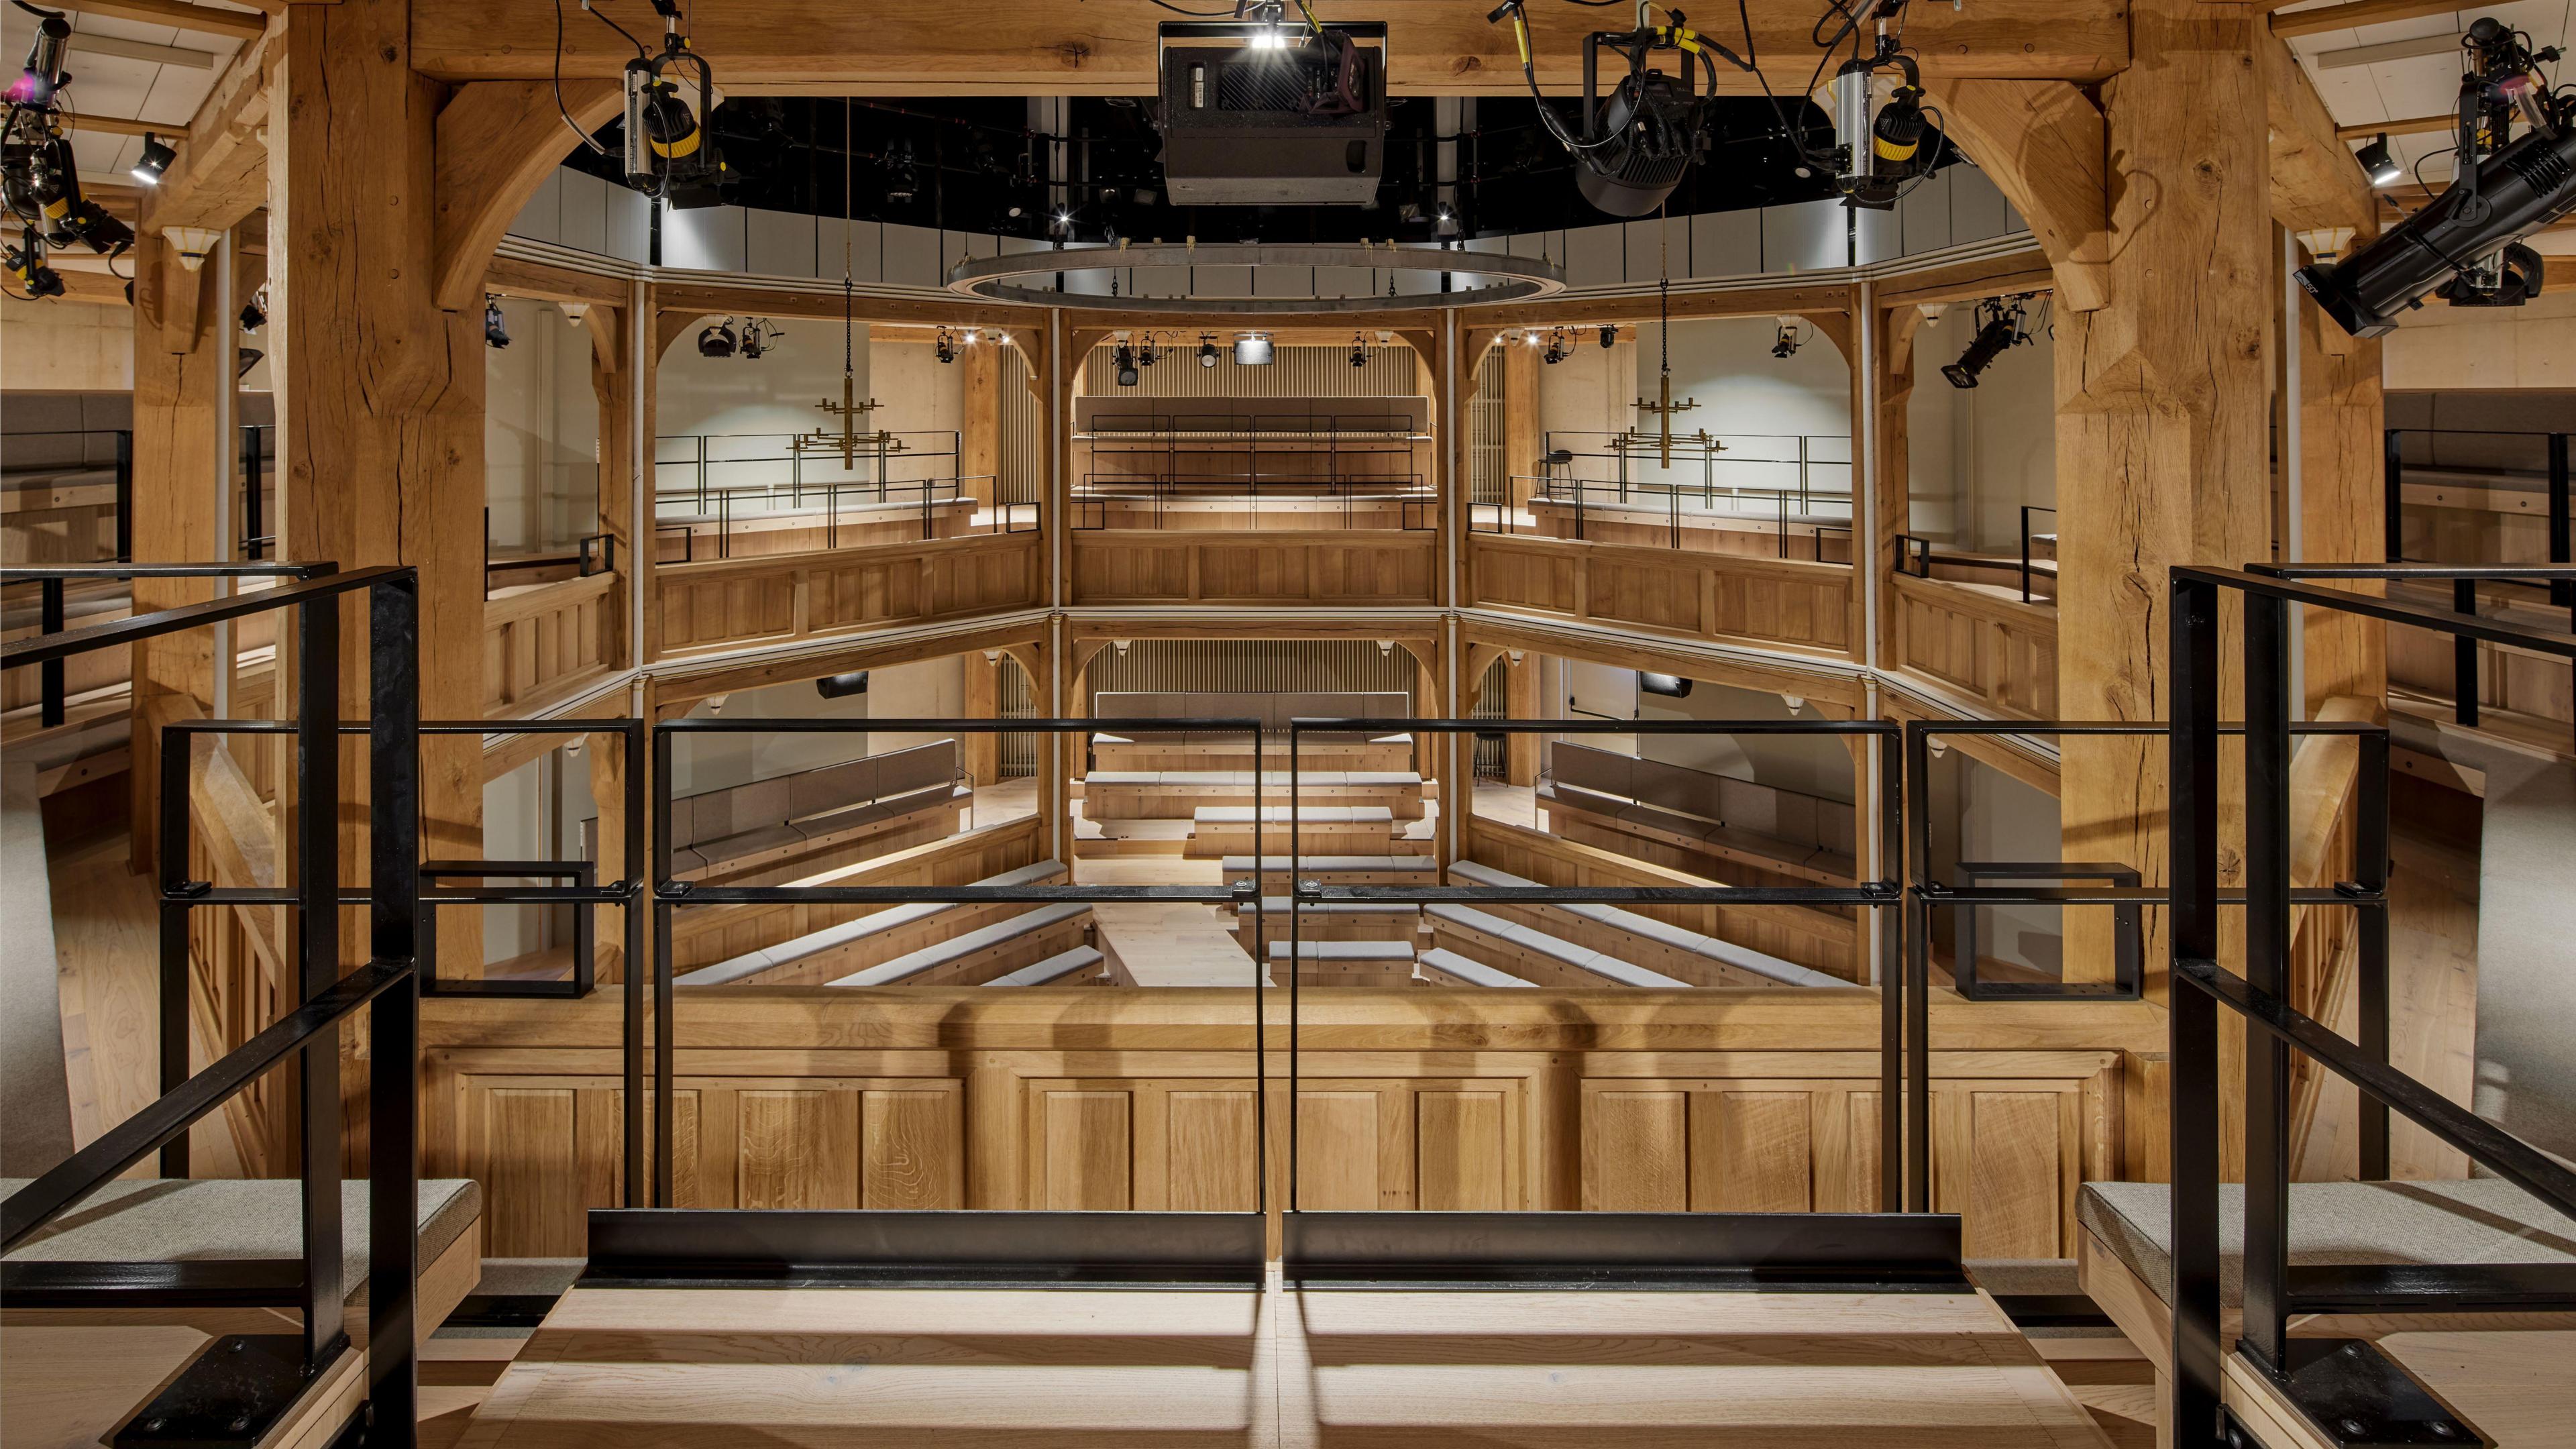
<point x="1059" y="47"/>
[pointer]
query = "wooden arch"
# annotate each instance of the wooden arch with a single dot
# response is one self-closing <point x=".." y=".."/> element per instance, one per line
<point x="498" y="141"/>
<point x="2046" y="147"/>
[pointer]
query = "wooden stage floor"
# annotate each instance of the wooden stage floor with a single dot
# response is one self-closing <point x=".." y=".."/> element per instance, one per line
<point x="622" y="1368"/>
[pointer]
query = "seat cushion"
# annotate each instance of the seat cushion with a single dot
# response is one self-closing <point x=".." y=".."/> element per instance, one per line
<point x="161" y="1220"/>
<point x="2480" y="1220"/>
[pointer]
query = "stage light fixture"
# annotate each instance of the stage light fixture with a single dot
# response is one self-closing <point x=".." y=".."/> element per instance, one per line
<point x="1359" y="351"/>
<point x="244" y="361"/>
<point x="670" y="154"/>
<point x="1609" y="338"/>
<point x="842" y="686"/>
<point x="944" y="346"/>
<point x="1638" y="141"/>
<point x="1669" y="686"/>
<point x="2379" y="163"/>
<point x="494" y="333"/>
<point x="2000" y="328"/>
<point x="155" y="160"/>
<point x="1252" y="349"/>
<point x="254" y="313"/>
<point x="43" y="75"/>
<point x="1785" y="345"/>
<point x="1556" y="349"/>
<point x="717" y="339"/>
<point x="1125" y="360"/>
<point x="1207" y="351"/>
<point x="758" y="336"/>
<point x="2466" y="245"/>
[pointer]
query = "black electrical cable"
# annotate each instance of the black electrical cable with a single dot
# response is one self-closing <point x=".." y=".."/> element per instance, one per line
<point x="560" y="107"/>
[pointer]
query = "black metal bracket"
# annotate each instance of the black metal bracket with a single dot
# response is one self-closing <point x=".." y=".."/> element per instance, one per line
<point x="229" y="1396"/>
<point x="2359" y="1398"/>
<point x="645" y="1247"/>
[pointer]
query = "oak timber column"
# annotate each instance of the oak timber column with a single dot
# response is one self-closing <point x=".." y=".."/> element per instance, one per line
<point x="181" y="371"/>
<point x="2343" y="502"/>
<point x="979" y="426"/>
<point x="379" y="393"/>
<point x="2162" y="402"/>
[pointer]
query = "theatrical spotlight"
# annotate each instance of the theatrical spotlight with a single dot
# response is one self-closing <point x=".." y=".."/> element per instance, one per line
<point x="254" y="313"/>
<point x="43" y="76"/>
<point x="1359" y="350"/>
<point x="494" y="334"/>
<point x="1207" y="350"/>
<point x="758" y="336"/>
<point x="2465" y="245"/>
<point x="670" y="154"/>
<point x="2378" y="163"/>
<point x="717" y="339"/>
<point x="1878" y="143"/>
<point x="1609" y="337"/>
<point x="1556" y="348"/>
<point x="26" y="263"/>
<point x="1252" y="349"/>
<point x="1639" y="140"/>
<point x="1999" y="327"/>
<point x="1785" y="345"/>
<point x="155" y="160"/>
<point x="1125" y="360"/>
<point x="944" y="346"/>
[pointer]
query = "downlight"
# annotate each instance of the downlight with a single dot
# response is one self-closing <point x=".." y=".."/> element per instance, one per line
<point x="154" y="162"/>
<point x="1252" y="349"/>
<point x="2378" y="163"/>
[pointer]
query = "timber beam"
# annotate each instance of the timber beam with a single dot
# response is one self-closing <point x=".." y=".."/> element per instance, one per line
<point x="2044" y="146"/>
<point x="221" y="175"/>
<point x="1060" y="47"/>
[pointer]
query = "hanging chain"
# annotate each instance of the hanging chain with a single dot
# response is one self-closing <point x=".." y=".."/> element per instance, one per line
<point x="1664" y="288"/>
<point x="849" y="225"/>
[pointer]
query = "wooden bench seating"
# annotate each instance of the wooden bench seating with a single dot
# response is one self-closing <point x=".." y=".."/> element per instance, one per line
<point x="975" y="957"/>
<point x="1694" y="958"/>
<point x="1695" y="820"/>
<point x="1175" y="794"/>
<point x="870" y="940"/>
<point x="1077" y="967"/>
<point x="1441" y="967"/>
<point x="1184" y="752"/>
<point x="1348" y="963"/>
<point x="1340" y="870"/>
<point x="1223" y="830"/>
<point x="2124" y="1252"/>
<point x="1525" y="951"/>
<point x="1330" y="921"/>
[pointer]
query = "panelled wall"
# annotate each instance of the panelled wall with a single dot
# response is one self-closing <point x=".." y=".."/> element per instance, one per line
<point x="1143" y="1099"/>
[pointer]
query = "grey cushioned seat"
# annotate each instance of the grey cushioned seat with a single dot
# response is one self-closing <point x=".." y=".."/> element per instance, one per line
<point x="2480" y="1220"/>
<point x="162" y="1220"/>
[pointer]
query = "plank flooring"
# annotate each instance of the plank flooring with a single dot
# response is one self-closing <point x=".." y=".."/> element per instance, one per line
<point x="620" y="1368"/>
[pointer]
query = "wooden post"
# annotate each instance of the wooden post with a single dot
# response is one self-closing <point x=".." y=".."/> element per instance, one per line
<point x="379" y="393"/>
<point x="2343" y="502"/>
<point x="2162" y="400"/>
<point x="646" y="557"/>
<point x="983" y="701"/>
<point x="1521" y="436"/>
<point x="180" y="375"/>
<point x="979" y="426"/>
<point x="608" y="774"/>
<point x="1892" y="502"/>
<point x="607" y="329"/>
<point x="1520" y="701"/>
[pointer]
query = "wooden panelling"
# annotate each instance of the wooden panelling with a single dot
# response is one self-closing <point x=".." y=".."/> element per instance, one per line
<point x="1329" y="566"/>
<point x="1977" y="641"/>
<point x="1760" y="600"/>
<point x="543" y="642"/>
<point x="1143" y="1099"/>
<point x="727" y="603"/>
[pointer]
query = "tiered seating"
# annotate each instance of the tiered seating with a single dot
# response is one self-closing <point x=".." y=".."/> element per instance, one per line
<point x="1329" y="921"/>
<point x="1077" y="967"/>
<point x="1693" y="820"/>
<point x="1179" y="751"/>
<point x="1347" y="963"/>
<point x="1696" y="959"/>
<point x="871" y="940"/>
<point x="1334" y="870"/>
<point x="1174" y="794"/>
<point x="1447" y="968"/>
<point x="985" y="953"/>
<point x="1222" y="830"/>
<point x="1540" y="958"/>
<point x="902" y="797"/>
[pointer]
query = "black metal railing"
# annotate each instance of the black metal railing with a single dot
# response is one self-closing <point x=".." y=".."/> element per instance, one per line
<point x="1589" y="505"/>
<point x="823" y="505"/>
<point x="258" y="450"/>
<point x="263" y="1377"/>
<point x="1347" y="501"/>
<point x="2554" y="455"/>
<point x="2330" y="1380"/>
<point x="50" y="584"/>
<point x="707" y="458"/>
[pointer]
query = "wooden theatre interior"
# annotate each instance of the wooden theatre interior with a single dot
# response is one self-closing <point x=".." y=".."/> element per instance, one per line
<point x="1080" y="723"/>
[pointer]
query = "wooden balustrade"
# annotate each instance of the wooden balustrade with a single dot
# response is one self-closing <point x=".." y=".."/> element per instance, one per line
<point x="1981" y="642"/>
<point x="542" y="642"/>
<point x="729" y="603"/>
<point x="1771" y="602"/>
<point x="1323" y="566"/>
<point x="1081" y="1098"/>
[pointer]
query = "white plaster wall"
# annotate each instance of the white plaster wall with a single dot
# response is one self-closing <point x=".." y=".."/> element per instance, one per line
<point x="1591" y="391"/>
<point x="750" y="407"/>
<point x="1979" y="454"/>
<point x="2000" y="818"/>
<point x="1759" y="405"/>
<point x="927" y="689"/>
<point x="540" y="430"/>
<point x="59" y="346"/>
<point x="2443" y="347"/>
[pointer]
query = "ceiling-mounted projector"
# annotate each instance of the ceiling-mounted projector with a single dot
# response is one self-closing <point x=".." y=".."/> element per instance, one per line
<point x="1273" y="112"/>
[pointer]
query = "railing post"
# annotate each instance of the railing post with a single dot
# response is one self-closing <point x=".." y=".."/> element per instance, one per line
<point x="175" y="972"/>
<point x="125" y="494"/>
<point x="252" y="529"/>
<point x="2561" y="592"/>
<point x="393" y="1018"/>
<point x="2464" y="655"/>
<point x="2370" y="842"/>
<point x="2392" y="482"/>
<point x="661" y="966"/>
<point x="317" y="954"/>
<point x="1903" y="1120"/>
<point x="2192" y="1014"/>
<point x="49" y="675"/>
<point x="2267" y="969"/>
<point x="638" y="873"/>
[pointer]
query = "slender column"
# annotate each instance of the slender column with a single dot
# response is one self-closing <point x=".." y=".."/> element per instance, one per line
<point x="979" y="425"/>
<point x="1520" y="701"/>
<point x="983" y="701"/>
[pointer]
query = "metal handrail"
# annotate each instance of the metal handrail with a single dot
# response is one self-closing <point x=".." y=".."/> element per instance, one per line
<point x="2273" y="1290"/>
<point x="386" y="986"/>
